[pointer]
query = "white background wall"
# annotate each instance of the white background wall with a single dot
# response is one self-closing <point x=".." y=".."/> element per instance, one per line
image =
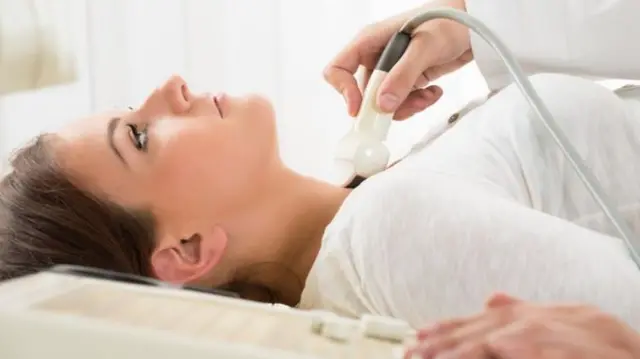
<point x="125" y="48"/>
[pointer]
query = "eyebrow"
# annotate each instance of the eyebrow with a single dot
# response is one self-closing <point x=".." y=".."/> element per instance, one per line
<point x="111" y="128"/>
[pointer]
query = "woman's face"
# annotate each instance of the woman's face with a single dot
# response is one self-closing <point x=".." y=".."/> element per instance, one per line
<point x="189" y="159"/>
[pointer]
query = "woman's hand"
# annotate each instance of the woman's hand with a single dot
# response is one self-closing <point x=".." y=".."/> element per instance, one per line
<point x="513" y="329"/>
<point x="439" y="46"/>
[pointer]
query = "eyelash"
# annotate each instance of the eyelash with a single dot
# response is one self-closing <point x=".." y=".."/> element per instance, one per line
<point x="139" y="137"/>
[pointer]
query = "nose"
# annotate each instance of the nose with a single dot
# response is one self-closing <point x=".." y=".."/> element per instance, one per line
<point x="176" y="94"/>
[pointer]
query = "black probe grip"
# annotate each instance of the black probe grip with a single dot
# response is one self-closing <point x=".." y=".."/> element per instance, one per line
<point x="394" y="50"/>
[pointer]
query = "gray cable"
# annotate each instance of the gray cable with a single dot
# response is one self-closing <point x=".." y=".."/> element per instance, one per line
<point x="540" y="109"/>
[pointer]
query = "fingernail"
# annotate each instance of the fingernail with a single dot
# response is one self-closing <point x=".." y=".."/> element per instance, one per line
<point x="429" y="93"/>
<point x="388" y="102"/>
<point x="421" y="103"/>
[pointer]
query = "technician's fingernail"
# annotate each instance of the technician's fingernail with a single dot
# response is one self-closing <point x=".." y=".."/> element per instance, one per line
<point x="388" y="102"/>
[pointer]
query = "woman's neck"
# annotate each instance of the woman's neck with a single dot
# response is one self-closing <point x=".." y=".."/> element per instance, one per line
<point x="290" y="217"/>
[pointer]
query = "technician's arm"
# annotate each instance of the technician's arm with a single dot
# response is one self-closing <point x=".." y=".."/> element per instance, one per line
<point x="599" y="39"/>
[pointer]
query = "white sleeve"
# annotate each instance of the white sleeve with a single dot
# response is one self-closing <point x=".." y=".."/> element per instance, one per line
<point x="590" y="38"/>
<point x="440" y="248"/>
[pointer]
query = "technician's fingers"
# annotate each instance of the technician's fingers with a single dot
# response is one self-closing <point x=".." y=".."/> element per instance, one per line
<point x="435" y="72"/>
<point x="467" y="351"/>
<point x="515" y="350"/>
<point x="340" y="75"/>
<point x="363" y="50"/>
<point x="418" y="101"/>
<point x="547" y="339"/>
<point x="420" y="55"/>
<point x="443" y="327"/>
<point x="460" y="338"/>
<point x="363" y="75"/>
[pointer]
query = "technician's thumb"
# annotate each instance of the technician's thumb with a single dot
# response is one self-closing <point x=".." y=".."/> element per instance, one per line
<point x="406" y="74"/>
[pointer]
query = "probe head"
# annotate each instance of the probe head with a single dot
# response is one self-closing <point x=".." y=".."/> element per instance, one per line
<point x="360" y="154"/>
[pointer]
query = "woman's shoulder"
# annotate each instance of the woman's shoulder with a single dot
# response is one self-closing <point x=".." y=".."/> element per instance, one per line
<point x="376" y="211"/>
<point x="335" y="282"/>
<point x="378" y="197"/>
<point x="398" y="210"/>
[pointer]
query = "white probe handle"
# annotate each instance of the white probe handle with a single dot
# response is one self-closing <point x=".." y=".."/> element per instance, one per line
<point x="370" y="120"/>
<point x="362" y="152"/>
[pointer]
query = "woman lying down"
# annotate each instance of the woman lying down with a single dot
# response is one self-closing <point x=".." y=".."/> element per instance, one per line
<point x="190" y="189"/>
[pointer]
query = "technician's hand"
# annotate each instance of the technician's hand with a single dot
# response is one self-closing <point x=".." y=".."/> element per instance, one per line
<point x="439" y="46"/>
<point x="513" y="329"/>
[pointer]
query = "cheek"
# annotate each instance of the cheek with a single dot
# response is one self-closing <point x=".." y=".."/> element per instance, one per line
<point x="183" y="170"/>
<point x="209" y="169"/>
<point x="179" y="186"/>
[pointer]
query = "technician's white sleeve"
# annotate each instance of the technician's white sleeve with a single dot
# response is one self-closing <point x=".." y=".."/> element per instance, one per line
<point x="590" y="38"/>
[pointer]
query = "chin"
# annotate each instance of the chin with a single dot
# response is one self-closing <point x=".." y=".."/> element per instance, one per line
<point x="262" y="108"/>
<point x="261" y="103"/>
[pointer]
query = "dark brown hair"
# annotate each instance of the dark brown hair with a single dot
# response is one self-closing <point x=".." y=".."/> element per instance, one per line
<point x="46" y="220"/>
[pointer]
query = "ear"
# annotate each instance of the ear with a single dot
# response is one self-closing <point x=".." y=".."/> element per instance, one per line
<point x="501" y="299"/>
<point x="184" y="260"/>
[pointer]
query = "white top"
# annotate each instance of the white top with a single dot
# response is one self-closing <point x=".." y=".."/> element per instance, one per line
<point x="491" y="204"/>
